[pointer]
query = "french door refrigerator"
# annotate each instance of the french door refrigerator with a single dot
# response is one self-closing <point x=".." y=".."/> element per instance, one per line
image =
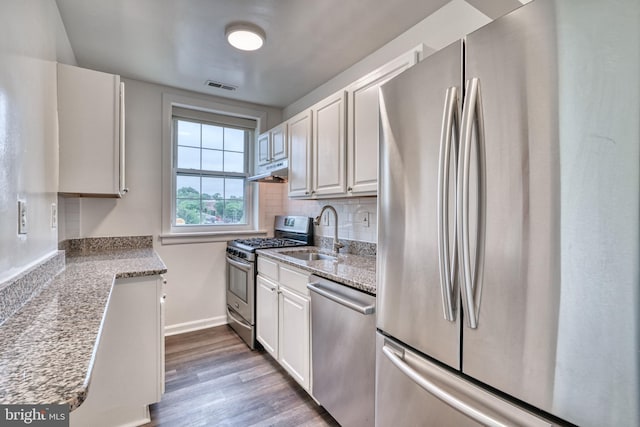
<point x="508" y="239"/>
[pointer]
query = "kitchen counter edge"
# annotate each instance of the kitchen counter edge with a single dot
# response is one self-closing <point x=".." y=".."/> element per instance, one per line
<point x="48" y="347"/>
<point x="354" y="271"/>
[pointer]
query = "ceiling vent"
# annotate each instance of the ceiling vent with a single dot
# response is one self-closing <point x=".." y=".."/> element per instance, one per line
<point x="219" y="85"/>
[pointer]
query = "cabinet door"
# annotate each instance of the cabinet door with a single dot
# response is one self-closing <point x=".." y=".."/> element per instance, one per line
<point x="128" y="367"/>
<point x="299" y="142"/>
<point x="294" y="336"/>
<point x="279" y="142"/>
<point x="263" y="149"/>
<point x="267" y="315"/>
<point x="329" y="134"/>
<point x="91" y="132"/>
<point x="363" y="117"/>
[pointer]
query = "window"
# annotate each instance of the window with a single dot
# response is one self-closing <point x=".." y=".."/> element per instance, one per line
<point x="210" y="167"/>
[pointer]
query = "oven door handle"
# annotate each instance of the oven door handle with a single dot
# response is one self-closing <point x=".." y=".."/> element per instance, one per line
<point x="240" y="322"/>
<point x="241" y="265"/>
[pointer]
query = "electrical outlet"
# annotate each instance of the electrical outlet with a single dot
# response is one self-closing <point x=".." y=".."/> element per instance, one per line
<point x="22" y="217"/>
<point x="363" y="219"/>
<point x="54" y="216"/>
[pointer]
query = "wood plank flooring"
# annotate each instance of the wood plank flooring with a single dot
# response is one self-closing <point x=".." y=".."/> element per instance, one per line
<point x="213" y="379"/>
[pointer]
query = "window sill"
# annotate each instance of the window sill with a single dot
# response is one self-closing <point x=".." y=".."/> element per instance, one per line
<point x="209" y="236"/>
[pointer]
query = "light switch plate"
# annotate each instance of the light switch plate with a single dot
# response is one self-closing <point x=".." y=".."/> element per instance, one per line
<point x="54" y="215"/>
<point x="22" y="217"/>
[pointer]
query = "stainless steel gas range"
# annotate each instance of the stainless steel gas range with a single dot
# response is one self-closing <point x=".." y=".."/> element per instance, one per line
<point x="289" y="231"/>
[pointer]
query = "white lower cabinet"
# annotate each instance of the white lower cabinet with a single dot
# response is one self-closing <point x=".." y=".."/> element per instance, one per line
<point x="283" y="319"/>
<point x="295" y="336"/>
<point x="267" y="315"/>
<point x="128" y="370"/>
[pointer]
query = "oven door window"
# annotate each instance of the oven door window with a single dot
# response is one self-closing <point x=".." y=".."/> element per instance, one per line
<point x="239" y="281"/>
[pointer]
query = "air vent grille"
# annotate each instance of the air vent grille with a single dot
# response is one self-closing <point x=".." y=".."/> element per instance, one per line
<point x="219" y="85"/>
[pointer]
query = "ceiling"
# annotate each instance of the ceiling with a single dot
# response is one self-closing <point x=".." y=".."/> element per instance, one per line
<point x="181" y="43"/>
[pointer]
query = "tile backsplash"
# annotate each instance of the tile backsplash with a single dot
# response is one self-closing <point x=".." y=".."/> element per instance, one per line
<point x="357" y="217"/>
<point x="271" y="202"/>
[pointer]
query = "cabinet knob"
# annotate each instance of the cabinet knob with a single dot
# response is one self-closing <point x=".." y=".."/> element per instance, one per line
<point x="306" y="193"/>
<point x="349" y="189"/>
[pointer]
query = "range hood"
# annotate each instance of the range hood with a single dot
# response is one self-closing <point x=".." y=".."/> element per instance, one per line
<point x="276" y="172"/>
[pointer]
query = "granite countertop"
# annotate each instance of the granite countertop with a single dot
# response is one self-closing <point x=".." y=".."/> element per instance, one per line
<point x="356" y="271"/>
<point x="47" y="347"/>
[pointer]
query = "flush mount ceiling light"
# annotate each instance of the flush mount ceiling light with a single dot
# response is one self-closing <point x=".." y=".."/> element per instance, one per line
<point x="245" y="36"/>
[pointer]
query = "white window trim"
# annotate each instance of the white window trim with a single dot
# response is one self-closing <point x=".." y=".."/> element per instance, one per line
<point x="174" y="235"/>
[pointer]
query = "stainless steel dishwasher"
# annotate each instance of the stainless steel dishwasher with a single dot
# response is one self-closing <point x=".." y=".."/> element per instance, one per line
<point x="343" y="353"/>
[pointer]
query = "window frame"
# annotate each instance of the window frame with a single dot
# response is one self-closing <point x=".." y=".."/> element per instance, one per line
<point x="210" y="232"/>
<point x="249" y="137"/>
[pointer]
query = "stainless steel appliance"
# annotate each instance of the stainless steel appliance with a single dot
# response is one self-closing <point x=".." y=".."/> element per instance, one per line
<point x="343" y="353"/>
<point x="274" y="172"/>
<point x="508" y="232"/>
<point x="241" y="270"/>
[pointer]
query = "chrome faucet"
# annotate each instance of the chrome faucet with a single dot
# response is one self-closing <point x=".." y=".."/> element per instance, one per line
<point x="336" y="243"/>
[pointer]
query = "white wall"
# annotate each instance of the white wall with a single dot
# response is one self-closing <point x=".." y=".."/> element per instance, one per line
<point x="32" y="38"/>
<point x="196" y="280"/>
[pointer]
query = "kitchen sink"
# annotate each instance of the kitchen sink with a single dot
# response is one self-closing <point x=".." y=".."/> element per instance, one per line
<point x="310" y="256"/>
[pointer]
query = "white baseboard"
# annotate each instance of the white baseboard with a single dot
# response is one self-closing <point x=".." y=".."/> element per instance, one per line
<point x="195" y="325"/>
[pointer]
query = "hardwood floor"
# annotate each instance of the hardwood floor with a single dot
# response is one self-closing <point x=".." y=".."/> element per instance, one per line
<point x="213" y="379"/>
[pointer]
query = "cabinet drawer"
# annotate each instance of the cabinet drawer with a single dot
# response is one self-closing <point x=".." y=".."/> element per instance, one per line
<point x="268" y="268"/>
<point x="294" y="279"/>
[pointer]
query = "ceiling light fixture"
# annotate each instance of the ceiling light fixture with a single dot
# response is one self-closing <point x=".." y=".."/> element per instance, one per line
<point x="245" y="36"/>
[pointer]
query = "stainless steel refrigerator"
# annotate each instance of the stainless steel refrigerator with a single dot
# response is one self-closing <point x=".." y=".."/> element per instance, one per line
<point x="508" y="239"/>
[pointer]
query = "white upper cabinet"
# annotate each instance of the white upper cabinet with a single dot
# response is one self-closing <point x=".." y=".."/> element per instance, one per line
<point x="329" y="150"/>
<point x="263" y="149"/>
<point x="272" y="145"/>
<point x="91" y="133"/>
<point x="299" y="142"/>
<point x="279" y="142"/>
<point x="340" y="156"/>
<point x="317" y="149"/>
<point x="363" y="124"/>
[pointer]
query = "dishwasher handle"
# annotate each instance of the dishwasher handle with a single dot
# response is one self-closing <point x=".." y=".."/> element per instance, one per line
<point x="342" y="299"/>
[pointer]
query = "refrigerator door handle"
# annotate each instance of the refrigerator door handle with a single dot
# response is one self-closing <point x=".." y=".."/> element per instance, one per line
<point x="442" y="394"/>
<point x="478" y="405"/>
<point x="447" y="263"/>
<point x="472" y="117"/>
